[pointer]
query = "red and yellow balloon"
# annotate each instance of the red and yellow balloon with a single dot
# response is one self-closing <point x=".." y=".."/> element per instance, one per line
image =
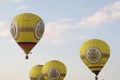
<point x="27" y="29"/>
<point x="95" y="53"/>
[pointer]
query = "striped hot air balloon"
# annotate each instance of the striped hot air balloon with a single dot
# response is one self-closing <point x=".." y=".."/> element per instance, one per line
<point x="27" y="29"/>
<point x="95" y="53"/>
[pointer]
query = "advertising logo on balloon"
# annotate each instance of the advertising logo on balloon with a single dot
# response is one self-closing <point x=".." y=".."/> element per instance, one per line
<point x="39" y="29"/>
<point x="53" y="74"/>
<point x="14" y="29"/>
<point x="93" y="55"/>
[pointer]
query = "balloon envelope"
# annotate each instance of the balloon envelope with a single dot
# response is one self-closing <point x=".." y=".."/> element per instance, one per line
<point x="54" y="70"/>
<point x="27" y="29"/>
<point x="36" y="73"/>
<point x="95" y="53"/>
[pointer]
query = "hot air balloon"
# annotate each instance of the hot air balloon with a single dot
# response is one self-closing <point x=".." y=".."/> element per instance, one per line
<point x="54" y="70"/>
<point x="95" y="53"/>
<point x="36" y="73"/>
<point x="27" y="29"/>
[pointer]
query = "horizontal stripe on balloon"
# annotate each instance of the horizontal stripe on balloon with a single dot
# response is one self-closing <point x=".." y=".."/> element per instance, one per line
<point x="27" y="44"/>
<point x="26" y="29"/>
<point x="103" y="56"/>
<point x="96" y="67"/>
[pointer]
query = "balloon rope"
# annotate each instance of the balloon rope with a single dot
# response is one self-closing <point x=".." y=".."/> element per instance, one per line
<point x="96" y="78"/>
<point x="30" y="52"/>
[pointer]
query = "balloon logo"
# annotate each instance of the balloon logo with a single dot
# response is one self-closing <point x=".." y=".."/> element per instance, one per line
<point x="54" y="70"/>
<point x="27" y="29"/>
<point x="54" y="74"/>
<point x="95" y="53"/>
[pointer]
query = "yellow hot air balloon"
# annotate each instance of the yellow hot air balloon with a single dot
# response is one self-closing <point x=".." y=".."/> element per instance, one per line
<point x="95" y="53"/>
<point x="54" y="70"/>
<point x="36" y="73"/>
<point x="27" y="29"/>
